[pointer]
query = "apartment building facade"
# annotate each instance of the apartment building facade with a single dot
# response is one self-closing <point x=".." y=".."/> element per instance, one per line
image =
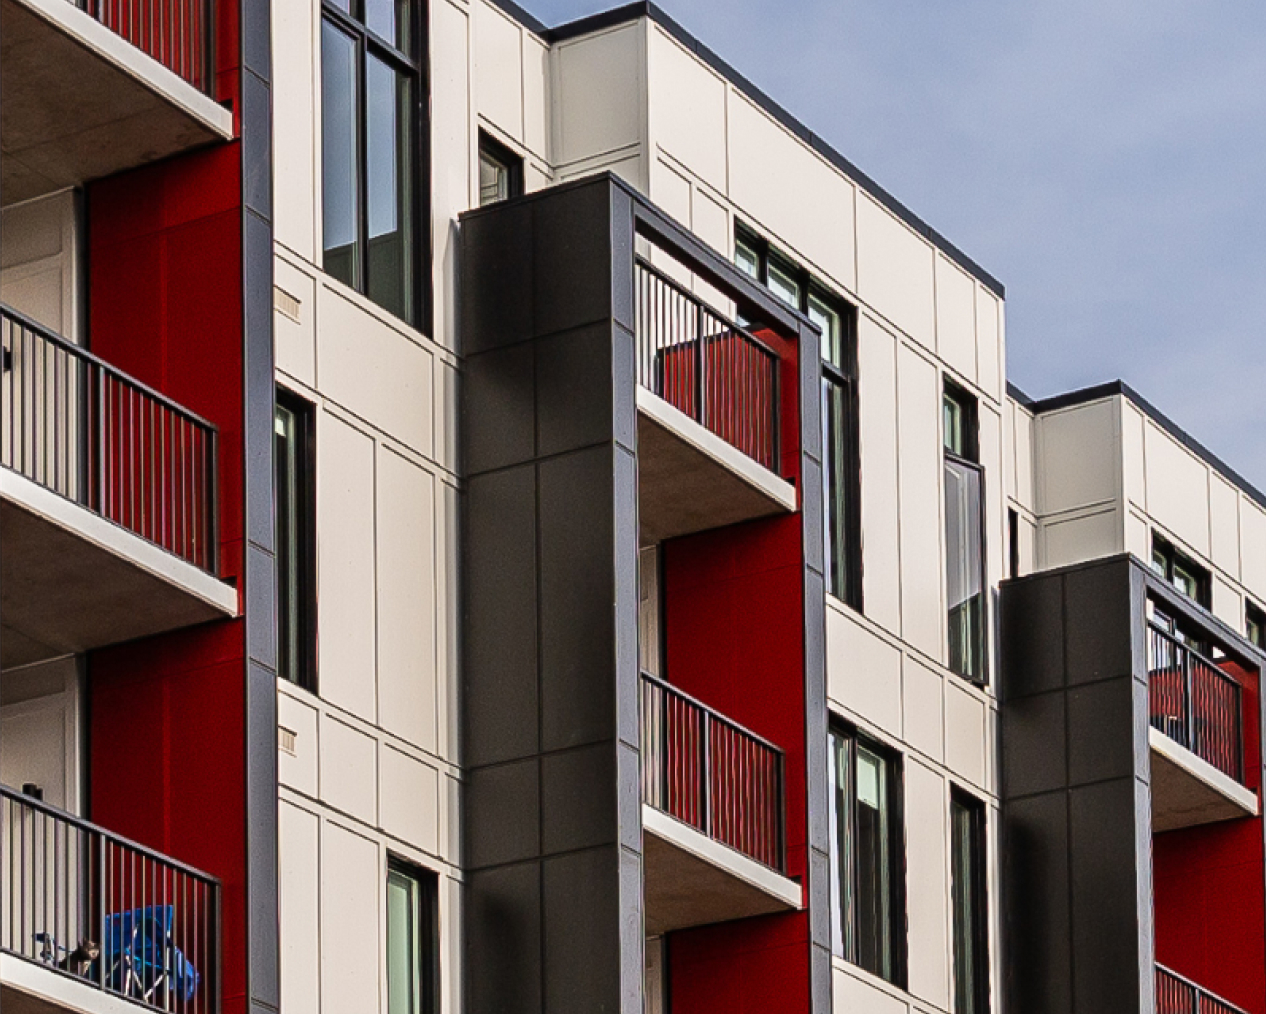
<point x="500" y="518"/>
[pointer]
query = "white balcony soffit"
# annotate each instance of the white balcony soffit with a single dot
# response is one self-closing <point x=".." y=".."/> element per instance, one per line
<point x="690" y="479"/>
<point x="28" y="988"/>
<point x="692" y="880"/>
<point x="1187" y="790"/>
<point x="71" y="580"/>
<point x="80" y="102"/>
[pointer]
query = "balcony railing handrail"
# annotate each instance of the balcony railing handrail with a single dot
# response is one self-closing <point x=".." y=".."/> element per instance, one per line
<point x="87" y="826"/>
<point x="79" y="352"/>
<point x="1195" y="653"/>
<point x="712" y="713"/>
<point x="1198" y="991"/>
<point x="721" y="318"/>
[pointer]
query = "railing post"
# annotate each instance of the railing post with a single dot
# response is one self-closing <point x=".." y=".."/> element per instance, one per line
<point x="102" y="905"/>
<point x="213" y="507"/>
<point x="700" y="386"/>
<point x="1189" y="707"/>
<point x="705" y="772"/>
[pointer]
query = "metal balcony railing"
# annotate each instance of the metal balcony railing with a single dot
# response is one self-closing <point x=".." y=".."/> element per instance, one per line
<point x="712" y="774"/>
<point x="179" y="34"/>
<point x="1194" y="702"/>
<point x="713" y="370"/>
<point x="105" y="911"/>
<point x="1176" y="995"/>
<point x="92" y="434"/>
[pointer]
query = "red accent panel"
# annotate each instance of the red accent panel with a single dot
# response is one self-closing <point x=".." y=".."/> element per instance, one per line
<point x="1210" y="890"/>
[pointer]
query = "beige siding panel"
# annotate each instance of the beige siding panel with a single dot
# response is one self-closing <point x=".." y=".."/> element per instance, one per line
<point x="348" y="769"/>
<point x="298" y="835"/>
<point x="863" y="672"/>
<point x="991" y="458"/>
<point x="687" y="108"/>
<point x="1138" y="537"/>
<point x="350" y="890"/>
<point x="410" y="799"/>
<point x="1224" y="525"/>
<point x="881" y="554"/>
<point x="1133" y="463"/>
<point x="498" y="68"/>
<point x="296" y="111"/>
<point x="671" y="191"/>
<point x="851" y="994"/>
<point x="452" y="187"/>
<point x="927" y="900"/>
<point x="298" y="770"/>
<point x="924" y="723"/>
<point x="991" y="343"/>
<point x="1077" y="455"/>
<point x="598" y="93"/>
<point x="1228" y="604"/>
<point x="371" y="368"/>
<point x="295" y="340"/>
<point x="920" y="463"/>
<point x="711" y="223"/>
<point x="536" y="96"/>
<point x="1078" y="539"/>
<point x="813" y="215"/>
<point x="956" y="318"/>
<point x="1177" y="489"/>
<point x="965" y="734"/>
<point x="1024" y="491"/>
<point x="345" y="566"/>
<point x="406" y="600"/>
<point x="894" y="271"/>
<point x="1253" y="548"/>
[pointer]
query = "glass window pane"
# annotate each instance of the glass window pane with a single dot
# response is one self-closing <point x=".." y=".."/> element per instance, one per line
<point x="389" y="20"/>
<point x="340" y="206"/>
<point x="828" y="322"/>
<point x="837" y="426"/>
<point x="967" y="864"/>
<point x="388" y="169"/>
<point x="964" y="565"/>
<point x="403" y="914"/>
<point x="874" y="865"/>
<point x="842" y="909"/>
<point x="285" y="460"/>
<point x="494" y="179"/>
<point x="747" y="259"/>
<point x="953" y="425"/>
<point x="784" y="286"/>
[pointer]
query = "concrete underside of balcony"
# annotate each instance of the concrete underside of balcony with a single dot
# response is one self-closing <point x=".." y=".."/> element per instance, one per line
<point x="1187" y="790"/>
<point x="691" y="880"/>
<point x="71" y="580"/>
<point x="690" y="479"/>
<point x="80" y="102"/>
<point x="27" y="987"/>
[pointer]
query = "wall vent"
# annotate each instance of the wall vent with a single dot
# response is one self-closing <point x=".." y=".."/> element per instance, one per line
<point x="286" y="740"/>
<point x="286" y="304"/>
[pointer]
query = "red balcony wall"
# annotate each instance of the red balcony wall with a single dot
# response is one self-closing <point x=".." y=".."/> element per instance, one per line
<point x="167" y="745"/>
<point x="1210" y="890"/>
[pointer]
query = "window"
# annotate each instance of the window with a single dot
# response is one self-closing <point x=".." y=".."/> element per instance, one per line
<point x="867" y="854"/>
<point x="412" y="941"/>
<point x="841" y="456"/>
<point x="1013" y="542"/>
<point x="970" y="904"/>
<point x="964" y="535"/>
<point x="295" y="508"/>
<point x="500" y="171"/>
<point x="1255" y="624"/>
<point x="1181" y="571"/>
<point x="373" y="175"/>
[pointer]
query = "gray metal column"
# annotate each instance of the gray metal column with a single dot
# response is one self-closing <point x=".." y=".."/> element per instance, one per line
<point x="552" y="808"/>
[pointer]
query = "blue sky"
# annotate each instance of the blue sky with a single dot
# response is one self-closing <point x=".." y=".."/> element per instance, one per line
<point x="1105" y="159"/>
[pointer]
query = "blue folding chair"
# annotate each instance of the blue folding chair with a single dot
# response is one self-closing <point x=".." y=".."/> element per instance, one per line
<point x="142" y="962"/>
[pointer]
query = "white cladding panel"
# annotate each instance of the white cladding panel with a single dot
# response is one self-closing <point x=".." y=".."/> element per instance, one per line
<point x="853" y="994"/>
<point x="991" y="342"/>
<point x="298" y="768"/>
<point x="453" y="186"/>
<point x="298" y="840"/>
<point x="801" y="200"/>
<point x="350" y="890"/>
<point x="927" y="899"/>
<point x="919" y="466"/>
<point x="924" y="713"/>
<point x="894" y="271"/>
<point x="991" y="457"/>
<point x="296" y="90"/>
<point x="881" y="539"/>
<point x="598" y="88"/>
<point x="345" y="566"/>
<point x="40" y="262"/>
<point x="1024" y="426"/>
<point x="1177" y="488"/>
<point x="1224" y="525"/>
<point x="1133" y="460"/>
<point x="1078" y="455"/>
<point x="348" y="770"/>
<point x="956" y="318"/>
<point x="1077" y="539"/>
<point x="863" y="671"/>
<point x="1228" y="604"/>
<point x="687" y="109"/>
<point x="536" y="96"/>
<point x="294" y="340"/>
<point x="966" y="735"/>
<point x="410" y="799"/>
<point x="1253" y="547"/>
<point x="498" y="68"/>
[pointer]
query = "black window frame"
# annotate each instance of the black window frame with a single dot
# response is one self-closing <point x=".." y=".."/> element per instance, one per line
<point x="1254" y="616"/>
<point x="1013" y="542"/>
<point x="898" y="943"/>
<point x="978" y="916"/>
<point x="843" y="571"/>
<point x="305" y="668"/>
<point x="1169" y="558"/>
<point x="417" y="67"/>
<point x="428" y="956"/>
<point x="505" y="156"/>
<point x="968" y="458"/>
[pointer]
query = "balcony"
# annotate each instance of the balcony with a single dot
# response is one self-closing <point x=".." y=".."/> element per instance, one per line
<point x="108" y="503"/>
<point x="713" y="819"/>
<point x="92" y="922"/>
<point x="92" y="89"/>
<point x="1176" y="995"/>
<point x="708" y="414"/>
<point x="1195" y="709"/>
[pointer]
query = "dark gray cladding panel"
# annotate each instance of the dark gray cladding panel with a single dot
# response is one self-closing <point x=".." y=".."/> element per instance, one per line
<point x="1076" y="873"/>
<point x="552" y="816"/>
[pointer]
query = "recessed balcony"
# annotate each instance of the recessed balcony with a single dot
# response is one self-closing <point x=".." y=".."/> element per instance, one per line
<point x="708" y="403"/>
<point x="92" y="90"/>
<point x="93" y="923"/>
<point x="108" y="503"/>
<point x="713" y="818"/>
<point x="1196" y="739"/>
